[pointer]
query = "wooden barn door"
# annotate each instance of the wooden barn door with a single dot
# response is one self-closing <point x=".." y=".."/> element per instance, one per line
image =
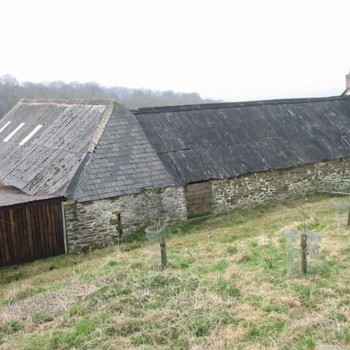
<point x="31" y="231"/>
<point x="198" y="198"/>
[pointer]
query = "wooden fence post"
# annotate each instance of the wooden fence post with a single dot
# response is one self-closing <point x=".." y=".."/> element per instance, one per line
<point x="163" y="252"/>
<point x="303" y="257"/>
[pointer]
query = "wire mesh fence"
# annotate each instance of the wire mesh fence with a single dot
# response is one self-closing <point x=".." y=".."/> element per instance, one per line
<point x="153" y="232"/>
<point x="302" y="252"/>
<point x="343" y="212"/>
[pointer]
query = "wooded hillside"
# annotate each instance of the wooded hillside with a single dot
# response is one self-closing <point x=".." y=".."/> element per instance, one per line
<point x="11" y="91"/>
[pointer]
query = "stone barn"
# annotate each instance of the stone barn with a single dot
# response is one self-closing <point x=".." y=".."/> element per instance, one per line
<point x="78" y="175"/>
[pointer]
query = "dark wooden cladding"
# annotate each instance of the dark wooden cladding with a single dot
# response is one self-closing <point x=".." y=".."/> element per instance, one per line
<point x="31" y="231"/>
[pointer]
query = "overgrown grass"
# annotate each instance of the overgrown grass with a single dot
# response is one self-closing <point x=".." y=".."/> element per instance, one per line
<point x="226" y="288"/>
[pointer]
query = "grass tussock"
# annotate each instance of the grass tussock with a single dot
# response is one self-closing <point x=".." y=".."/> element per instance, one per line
<point x="226" y="288"/>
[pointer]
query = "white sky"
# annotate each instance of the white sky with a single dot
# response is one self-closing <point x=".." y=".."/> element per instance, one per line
<point x="223" y="49"/>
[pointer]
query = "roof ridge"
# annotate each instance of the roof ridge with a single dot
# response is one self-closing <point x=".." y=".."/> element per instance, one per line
<point x="95" y="139"/>
<point x="69" y="101"/>
<point x="202" y="106"/>
<point x="101" y="126"/>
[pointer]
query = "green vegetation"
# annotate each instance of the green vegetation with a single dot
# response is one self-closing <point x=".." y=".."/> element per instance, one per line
<point x="226" y="288"/>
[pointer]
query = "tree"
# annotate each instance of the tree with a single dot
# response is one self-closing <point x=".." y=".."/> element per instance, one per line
<point x="11" y="91"/>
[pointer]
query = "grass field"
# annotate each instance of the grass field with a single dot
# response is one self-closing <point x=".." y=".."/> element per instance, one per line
<point x="226" y="288"/>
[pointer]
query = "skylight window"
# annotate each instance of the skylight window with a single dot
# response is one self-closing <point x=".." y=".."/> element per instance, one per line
<point x="13" y="132"/>
<point x="5" y="126"/>
<point x="31" y="134"/>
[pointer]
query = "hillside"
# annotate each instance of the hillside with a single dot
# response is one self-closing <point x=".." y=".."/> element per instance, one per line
<point x="230" y="285"/>
<point x="11" y="91"/>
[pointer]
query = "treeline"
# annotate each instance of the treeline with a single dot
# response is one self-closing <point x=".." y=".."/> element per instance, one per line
<point x="11" y="91"/>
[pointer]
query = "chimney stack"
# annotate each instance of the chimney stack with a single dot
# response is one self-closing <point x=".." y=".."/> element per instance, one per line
<point x="347" y="81"/>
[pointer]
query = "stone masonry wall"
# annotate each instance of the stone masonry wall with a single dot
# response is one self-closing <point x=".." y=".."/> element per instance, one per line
<point x="92" y="225"/>
<point x="258" y="188"/>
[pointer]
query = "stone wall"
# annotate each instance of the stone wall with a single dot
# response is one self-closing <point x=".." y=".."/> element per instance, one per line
<point x="92" y="225"/>
<point x="253" y="189"/>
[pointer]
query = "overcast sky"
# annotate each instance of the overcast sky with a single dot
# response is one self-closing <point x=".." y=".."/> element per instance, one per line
<point x="224" y="49"/>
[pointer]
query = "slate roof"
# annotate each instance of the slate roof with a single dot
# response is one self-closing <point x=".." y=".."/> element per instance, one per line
<point x="89" y="150"/>
<point x="124" y="162"/>
<point x="78" y="149"/>
<point x="215" y="141"/>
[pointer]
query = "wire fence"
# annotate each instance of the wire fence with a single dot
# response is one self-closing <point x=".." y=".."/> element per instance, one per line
<point x="343" y="212"/>
<point x="153" y="232"/>
<point x="300" y="252"/>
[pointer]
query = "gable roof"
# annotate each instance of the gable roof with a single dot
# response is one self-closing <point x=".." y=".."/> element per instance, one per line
<point x="90" y="150"/>
<point x="77" y="149"/>
<point x="215" y="141"/>
<point x="124" y="162"/>
<point x="44" y="141"/>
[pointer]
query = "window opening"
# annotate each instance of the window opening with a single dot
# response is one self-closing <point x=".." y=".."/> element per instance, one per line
<point x="119" y="226"/>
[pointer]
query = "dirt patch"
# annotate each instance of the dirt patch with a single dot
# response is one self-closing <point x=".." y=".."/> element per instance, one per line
<point x="52" y="303"/>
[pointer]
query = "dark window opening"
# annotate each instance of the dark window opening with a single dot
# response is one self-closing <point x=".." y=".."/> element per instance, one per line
<point x="119" y="226"/>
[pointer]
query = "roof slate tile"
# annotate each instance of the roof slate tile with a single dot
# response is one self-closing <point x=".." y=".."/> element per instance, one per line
<point x="214" y="141"/>
<point x="121" y="164"/>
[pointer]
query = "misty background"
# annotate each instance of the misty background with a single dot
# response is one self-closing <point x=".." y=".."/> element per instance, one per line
<point x="11" y="91"/>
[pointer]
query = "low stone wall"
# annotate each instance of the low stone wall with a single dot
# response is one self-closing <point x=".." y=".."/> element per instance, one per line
<point x="92" y="225"/>
<point x="253" y="189"/>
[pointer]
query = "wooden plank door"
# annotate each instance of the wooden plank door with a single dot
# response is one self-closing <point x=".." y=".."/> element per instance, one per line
<point x="198" y="199"/>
